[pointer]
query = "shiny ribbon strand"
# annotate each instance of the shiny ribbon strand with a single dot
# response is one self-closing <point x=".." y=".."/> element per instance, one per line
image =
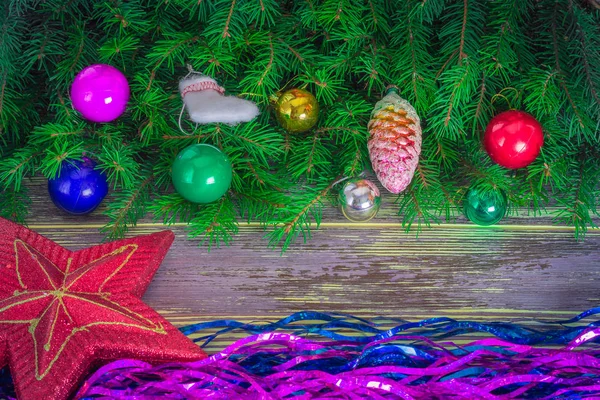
<point x="412" y="360"/>
<point x="310" y="355"/>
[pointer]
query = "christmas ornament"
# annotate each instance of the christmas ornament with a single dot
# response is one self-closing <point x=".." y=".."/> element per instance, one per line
<point x="61" y="311"/>
<point x="206" y="104"/>
<point x="513" y="139"/>
<point x="359" y="200"/>
<point x="79" y="188"/>
<point x="100" y="93"/>
<point x="201" y="173"/>
<point x="395" y="141"/>
<point x="485" y="208"/>
<point x="297" y="110"/>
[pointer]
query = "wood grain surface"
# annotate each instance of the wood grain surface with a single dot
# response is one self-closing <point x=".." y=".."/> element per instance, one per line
<point x="523" y="267"/>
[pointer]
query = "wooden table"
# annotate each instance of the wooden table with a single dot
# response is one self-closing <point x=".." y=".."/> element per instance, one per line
<point x="524" y="267"/>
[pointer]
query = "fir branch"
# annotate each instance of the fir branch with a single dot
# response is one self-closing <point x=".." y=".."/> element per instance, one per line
<point x="264" y="75"/>
<point x="329" y="129"/>
<point x="480" y="100"/>
<point x="587" y="68"/>
<point x="292" y="50"/>
<point x="265" y="13"/>
<point x="307" y="12"/>
<point x="77" y="55"/>
<point x="543" y="92"/>
<point x="50" y="133"/>
<point x="424" y="199"/>
<point x="413" y="35"/>
<point x="188" y="138"/>
<point x="260" y="205"/>
<point x="413" y="62"/>
<point x="580" y="201"/>
<point x="558" y="67"/>
<point x="20" y="164"/>
<point x="461" y="49"/>
<point x="269" y="64"/>
<point x="215" y="59"/>
<point x="63" y="104"/>
<point x="118" y="163"/>
<point x="60" y="151"/>
<point x="327" y="84"/>
<point x="344" y="52"/>
<point x="162" y="169"/>
<point x="371" y="67"/>
<point x="260" y="141"/>
<point x="462" y="32"/>
<point x="589" y="40"/>
<point x="297" y="221"/>
<point x="310" y="157"/>
<point x="126" y="207"/>
<point x="505" y="46"/>
<point x="450" y="111"/>
<point x="256" y="176"/>
<point x="214" y="223"/>
<point x="226" y="23"/>
<point x="445" y="65"/>
<point x="354" y="160"/>
<point x="172" y="208"/>
<point x="169" y="51"/>
<point x="14" y="205"/>
<point x="2" y="91"/>
<point x="429" y="10"/>
<point x="81" y="51"/>
<point x="226" y="33"/>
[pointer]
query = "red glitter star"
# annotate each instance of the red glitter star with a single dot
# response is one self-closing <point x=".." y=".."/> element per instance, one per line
<point x="61" y="311"/>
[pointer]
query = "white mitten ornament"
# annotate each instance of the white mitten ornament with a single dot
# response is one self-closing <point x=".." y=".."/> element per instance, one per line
<point x="206" y="103"/>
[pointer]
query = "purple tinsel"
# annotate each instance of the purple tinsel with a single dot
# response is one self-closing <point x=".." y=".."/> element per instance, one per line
<point x="281" y="365"/>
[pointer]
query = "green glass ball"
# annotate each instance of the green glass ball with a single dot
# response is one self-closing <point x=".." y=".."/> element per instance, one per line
<point x="201" y="173"/>
<point x="485" y="208"/>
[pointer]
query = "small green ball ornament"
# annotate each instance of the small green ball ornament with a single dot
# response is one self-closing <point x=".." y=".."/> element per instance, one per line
<point x="201" y="173"/>
<point x="485" y="208"/>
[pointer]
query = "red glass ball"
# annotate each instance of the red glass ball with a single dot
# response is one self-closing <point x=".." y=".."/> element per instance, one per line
<point x="513" y="139"/>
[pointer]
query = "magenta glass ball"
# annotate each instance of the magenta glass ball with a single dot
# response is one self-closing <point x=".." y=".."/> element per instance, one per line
<point x="100" y="93"/>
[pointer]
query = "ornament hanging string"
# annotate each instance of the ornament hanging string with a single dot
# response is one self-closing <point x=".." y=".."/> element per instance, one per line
<point x="505" y="97"/>
<point x="362" y="174"/>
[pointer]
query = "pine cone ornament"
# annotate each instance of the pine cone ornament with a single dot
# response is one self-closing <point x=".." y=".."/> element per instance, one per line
<point x="395" y="141"/>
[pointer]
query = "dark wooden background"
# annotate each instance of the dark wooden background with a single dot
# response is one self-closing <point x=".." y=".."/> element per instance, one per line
<point x="522" y="268"/>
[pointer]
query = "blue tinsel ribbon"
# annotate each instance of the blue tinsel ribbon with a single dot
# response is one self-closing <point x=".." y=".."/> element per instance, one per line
<point x="327" y="324"/>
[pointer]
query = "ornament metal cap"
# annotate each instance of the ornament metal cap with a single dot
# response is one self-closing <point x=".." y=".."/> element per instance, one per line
<point x="392" y="89"/>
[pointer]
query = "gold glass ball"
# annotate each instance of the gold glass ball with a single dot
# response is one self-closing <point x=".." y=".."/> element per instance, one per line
<point x="297" y="110"/>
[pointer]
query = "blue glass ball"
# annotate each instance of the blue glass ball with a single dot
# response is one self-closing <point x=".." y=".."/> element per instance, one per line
<point x="79" y="188"/>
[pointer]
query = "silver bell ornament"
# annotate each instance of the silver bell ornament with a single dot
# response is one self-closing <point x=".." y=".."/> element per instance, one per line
<point x="359" y="199"/>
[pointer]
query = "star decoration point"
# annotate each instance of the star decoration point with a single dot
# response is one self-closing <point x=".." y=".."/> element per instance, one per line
<point x="60" y="310"/>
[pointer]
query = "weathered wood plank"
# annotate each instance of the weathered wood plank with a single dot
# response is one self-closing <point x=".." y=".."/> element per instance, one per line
<point x="521" y="268"/>
<point x="373" y="271"/>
